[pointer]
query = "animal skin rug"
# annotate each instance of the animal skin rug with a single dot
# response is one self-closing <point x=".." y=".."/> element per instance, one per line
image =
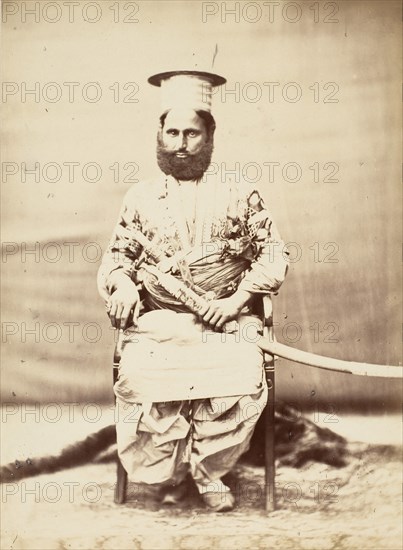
<point x="298" y="441"/>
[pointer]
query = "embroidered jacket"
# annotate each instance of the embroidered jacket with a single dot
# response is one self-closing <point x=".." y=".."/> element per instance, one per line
<point x="215" y="236"/>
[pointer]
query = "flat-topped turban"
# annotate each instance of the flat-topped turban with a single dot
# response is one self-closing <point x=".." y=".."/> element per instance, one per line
<point x="186" y="89"/>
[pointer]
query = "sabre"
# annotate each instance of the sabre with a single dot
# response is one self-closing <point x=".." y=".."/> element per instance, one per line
<point x="274" y="348"/>
<point x="175" y="287"/>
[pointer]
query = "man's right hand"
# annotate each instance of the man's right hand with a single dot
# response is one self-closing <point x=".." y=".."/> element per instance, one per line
<point x="124" y="304"/>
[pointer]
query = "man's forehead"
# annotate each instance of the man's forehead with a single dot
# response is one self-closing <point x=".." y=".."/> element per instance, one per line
<point x="183" y="118"/>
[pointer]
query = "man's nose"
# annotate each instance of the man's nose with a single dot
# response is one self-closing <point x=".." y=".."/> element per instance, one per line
<point x="184" y="142"/>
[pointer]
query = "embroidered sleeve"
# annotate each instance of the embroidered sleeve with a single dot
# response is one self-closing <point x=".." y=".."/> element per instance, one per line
<point x="270" y="264"/>
<point x="122" y="252"/>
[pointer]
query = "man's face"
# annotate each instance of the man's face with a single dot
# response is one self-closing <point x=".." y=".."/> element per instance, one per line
<point x="184" y="146"/>
<point x="184" y="133"/>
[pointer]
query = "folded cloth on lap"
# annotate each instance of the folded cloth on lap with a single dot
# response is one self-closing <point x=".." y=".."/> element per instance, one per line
<point x="172" y="357"/>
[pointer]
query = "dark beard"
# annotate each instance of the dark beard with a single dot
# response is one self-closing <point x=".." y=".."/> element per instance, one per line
<point x="185" y="169"/>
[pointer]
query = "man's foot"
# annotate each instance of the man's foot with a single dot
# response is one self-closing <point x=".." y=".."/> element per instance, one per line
<point x="219" y="501"/>
<point x="216" y="495"/>
<point x="175" y="494"/>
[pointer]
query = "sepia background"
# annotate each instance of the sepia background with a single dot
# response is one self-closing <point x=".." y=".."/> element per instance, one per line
<point x="342" y="295"/>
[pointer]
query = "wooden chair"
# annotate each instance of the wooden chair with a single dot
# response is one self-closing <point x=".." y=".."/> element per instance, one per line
<point x="263" y="308"/>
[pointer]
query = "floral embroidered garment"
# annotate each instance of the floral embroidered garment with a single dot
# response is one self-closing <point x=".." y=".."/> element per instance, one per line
<point x="222" y="231"/>
<point x="216" y="237"/>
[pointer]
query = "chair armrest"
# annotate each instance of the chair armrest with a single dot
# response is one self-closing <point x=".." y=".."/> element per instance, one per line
<point x="117" y="354"/>
<point x="268" y="330"/>
<point x="267" y="312"/>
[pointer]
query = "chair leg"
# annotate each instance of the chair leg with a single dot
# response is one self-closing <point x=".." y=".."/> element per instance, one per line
<point x="121" y="484"/>
<point x="270" y="468"/>
<point x="121" y="474"/>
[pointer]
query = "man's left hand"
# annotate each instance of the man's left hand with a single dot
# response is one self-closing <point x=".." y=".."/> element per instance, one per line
<point x="221" y="311"/>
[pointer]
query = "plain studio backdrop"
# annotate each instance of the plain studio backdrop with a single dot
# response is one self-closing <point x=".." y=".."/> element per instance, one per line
<point x="309" y="112"/>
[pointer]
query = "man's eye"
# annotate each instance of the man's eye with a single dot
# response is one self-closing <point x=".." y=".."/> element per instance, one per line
<point x="192" y="134"/>
<point x="172" y="132"/>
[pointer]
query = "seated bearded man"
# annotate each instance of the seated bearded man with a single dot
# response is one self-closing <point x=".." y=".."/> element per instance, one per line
<point x="191" y="385"/>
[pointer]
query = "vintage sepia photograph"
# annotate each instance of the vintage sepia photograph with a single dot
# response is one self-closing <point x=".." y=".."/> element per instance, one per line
<point x="201" y="319"/>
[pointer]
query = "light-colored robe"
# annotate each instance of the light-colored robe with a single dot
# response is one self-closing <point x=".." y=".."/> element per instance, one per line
<point x="180" y="383"/>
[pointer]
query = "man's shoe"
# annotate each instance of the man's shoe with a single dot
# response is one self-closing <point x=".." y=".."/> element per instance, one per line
<point x="175" y="494"/>
<point x="219" y="501"/>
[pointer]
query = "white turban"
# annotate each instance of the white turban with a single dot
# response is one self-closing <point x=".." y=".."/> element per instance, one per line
<point x="186" y="89"/>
